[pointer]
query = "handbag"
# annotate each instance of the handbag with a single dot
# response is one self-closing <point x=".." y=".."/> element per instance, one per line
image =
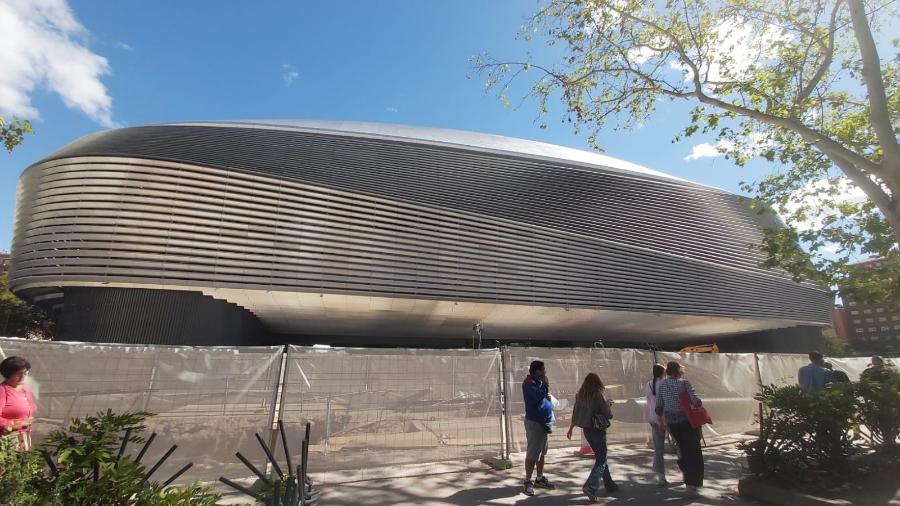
<point x="696" y="416"/>
<point x="599" y="421"/>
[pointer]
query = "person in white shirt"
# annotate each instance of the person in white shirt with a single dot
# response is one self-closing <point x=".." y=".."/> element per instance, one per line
<point x="657" y="429"/>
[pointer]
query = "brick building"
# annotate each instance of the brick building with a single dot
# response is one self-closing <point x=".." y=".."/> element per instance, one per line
<point x="873" y="328"/>
<point x="4" y="262"/>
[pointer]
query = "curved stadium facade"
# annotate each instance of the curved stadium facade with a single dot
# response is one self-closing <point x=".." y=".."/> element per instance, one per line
<point x="349" y="233"/>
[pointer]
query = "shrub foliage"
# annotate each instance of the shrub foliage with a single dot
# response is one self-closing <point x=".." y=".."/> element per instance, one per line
<point x="86" y="469"/>
<point x="811" y="438"/>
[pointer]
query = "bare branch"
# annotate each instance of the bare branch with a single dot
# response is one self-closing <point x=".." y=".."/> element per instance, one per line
<point x="878" y="110"/>
<point x="826" y="62"/>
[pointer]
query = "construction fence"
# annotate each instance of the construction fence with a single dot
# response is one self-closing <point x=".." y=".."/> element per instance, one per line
<point x="374" y="412"/>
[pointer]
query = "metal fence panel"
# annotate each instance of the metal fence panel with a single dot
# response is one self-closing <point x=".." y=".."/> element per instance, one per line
<point x="622" y="371"/>
<point x="373" y="409"/>
<point x="208" y="401"/>
<point x="726" y="382"/>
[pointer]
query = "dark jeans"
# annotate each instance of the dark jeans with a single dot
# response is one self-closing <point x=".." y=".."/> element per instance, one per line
<point x="690" y="456"/>
<point x="597" y="439"/>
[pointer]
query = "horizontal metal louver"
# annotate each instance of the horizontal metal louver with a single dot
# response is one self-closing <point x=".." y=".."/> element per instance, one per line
<point x="292" y="211"/>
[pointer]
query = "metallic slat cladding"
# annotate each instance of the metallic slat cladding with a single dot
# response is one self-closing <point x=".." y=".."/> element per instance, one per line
<point x="299" y="211"/>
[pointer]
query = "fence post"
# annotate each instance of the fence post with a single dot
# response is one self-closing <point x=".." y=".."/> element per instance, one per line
<point x="758" y="372"/>
<point x="149" y="391"/>
<point x="277" y="400"/>
<point x="327" y="423"/>
<point x="504" y="451"/>
<point x="759" y="383"/>
<point x="504" y="370"/>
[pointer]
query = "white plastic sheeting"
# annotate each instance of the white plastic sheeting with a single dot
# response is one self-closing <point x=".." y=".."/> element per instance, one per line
<point x="853" y="366"/>
<point x="208" y="401"/>
<point x="726" y="382"/>
<point x="622" y="371"/>
<point x="780" y="369"/>
<point x="393" y="408"/>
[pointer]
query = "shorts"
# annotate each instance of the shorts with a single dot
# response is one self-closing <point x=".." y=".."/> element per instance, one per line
<point x="537" y="441"/>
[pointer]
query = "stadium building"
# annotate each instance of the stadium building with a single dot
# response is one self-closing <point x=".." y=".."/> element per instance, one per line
<point x="366" y="234"/>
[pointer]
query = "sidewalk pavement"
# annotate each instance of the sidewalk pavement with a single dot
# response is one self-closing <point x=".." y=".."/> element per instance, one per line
<point x="630" y="466"/>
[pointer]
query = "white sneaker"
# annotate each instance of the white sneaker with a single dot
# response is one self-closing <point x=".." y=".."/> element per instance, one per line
<point x="661" y="479"/>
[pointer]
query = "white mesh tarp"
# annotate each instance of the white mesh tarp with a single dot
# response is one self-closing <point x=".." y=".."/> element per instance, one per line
<point x="208" y="401"/>
<point x="375" y="412"/>
<point x="622" y="371"/>
<point x="780" y="369"/>
<point x="726" y="382"/>
<point x="374" y="409"/>
<point x="853" y="366"/>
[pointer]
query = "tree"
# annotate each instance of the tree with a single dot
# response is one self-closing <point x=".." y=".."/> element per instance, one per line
<point x="835" y="345"/>
<point x="17" y="318"/>
<point x="797" y="83"/>
<point x="13" y="133"/>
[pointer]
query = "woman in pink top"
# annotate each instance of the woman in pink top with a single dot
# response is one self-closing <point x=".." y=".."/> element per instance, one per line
<point x="17" y="406"/>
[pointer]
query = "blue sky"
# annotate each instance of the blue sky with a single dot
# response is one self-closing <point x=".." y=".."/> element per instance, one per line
<point x="81" y="66"/>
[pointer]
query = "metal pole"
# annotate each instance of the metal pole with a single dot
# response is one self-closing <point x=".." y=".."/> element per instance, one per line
<point x="504" y="353"/>
<point x="760" y="384"/>
<point x="225" y="401"/>
<point x="758" y="372"/>
<point x="276" y="405"/>
<point x="327" y="422"/>
<point x="152" y="382"/>
<point x="504" y="443"/>
<point x="6" y="322"/>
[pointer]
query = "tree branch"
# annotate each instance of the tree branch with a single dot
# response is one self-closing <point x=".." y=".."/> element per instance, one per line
<point x="878" y="107"/>
<point x="884" y="202"/>
<point x="826" y="63"/>
<point x="824" y="143"/>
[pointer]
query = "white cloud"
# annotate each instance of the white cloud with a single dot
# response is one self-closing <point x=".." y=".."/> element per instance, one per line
<point x="122" y="45"/>
<point x="756" y="143"/>
<point x="705" y="150"/>
<point x="44" y="45"/>
<point x="289" y="74"/>
<point x="391" y="109"/>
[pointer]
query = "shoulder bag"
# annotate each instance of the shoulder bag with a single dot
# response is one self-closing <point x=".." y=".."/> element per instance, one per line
<point x="696" y="416"/>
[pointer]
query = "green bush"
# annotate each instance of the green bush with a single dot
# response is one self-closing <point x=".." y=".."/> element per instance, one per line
<point x="803" y="437"/>
<point x="878" y="407"/>
<point x="88" y="472"/>
<point x="18" y="471"/>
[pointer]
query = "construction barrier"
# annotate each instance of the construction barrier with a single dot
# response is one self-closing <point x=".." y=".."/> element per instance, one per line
<point x="208" y="401"/>
<point x="374" y="412"/>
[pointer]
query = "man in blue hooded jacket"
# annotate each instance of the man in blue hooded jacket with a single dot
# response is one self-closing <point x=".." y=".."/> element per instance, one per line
<point x="538" y="419"/>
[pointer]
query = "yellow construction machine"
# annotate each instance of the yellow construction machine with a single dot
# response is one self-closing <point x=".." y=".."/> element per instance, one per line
<point x="701" y="348"/>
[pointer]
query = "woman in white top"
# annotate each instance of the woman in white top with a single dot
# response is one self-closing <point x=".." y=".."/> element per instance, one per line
<point x="657" y="430"/>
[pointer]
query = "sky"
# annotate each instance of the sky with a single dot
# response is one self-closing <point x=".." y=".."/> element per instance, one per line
<point x="78" y="67"/>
